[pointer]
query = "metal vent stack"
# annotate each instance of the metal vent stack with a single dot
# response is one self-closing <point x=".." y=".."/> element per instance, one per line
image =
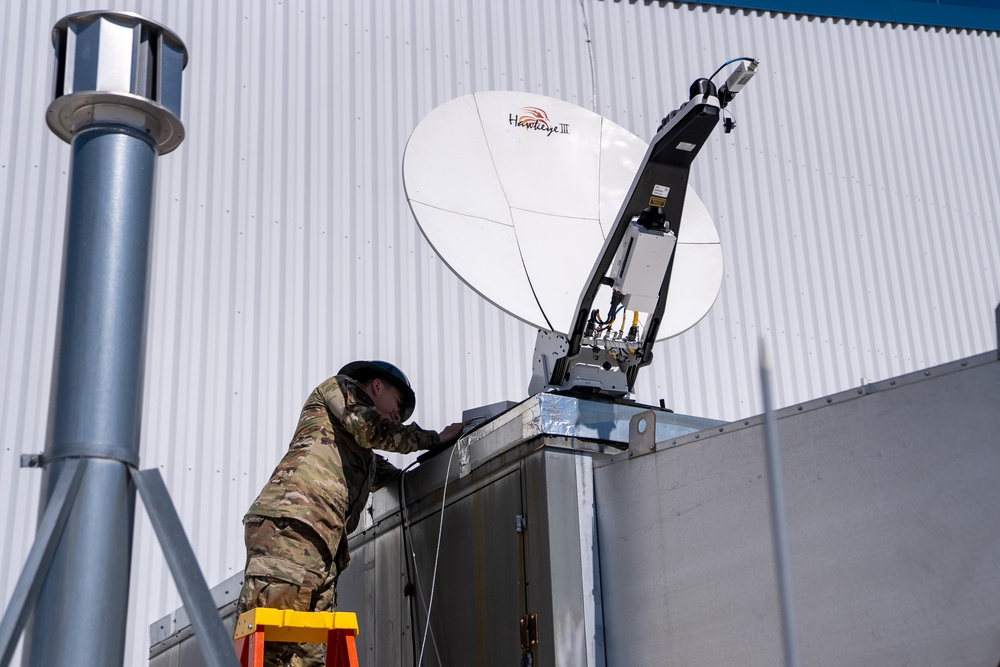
<point x="117" y="101"/>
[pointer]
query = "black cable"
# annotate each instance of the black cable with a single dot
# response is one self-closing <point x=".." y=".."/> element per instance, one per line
<point x="611" y="317"/>
<point x="411" y="590"/>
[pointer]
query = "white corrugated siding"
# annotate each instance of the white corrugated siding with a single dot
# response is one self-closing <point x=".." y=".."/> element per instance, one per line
<point x="857" y="204"/>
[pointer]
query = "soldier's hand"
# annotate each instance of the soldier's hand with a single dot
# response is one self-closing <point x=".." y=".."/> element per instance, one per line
<point x="451" y="433"/>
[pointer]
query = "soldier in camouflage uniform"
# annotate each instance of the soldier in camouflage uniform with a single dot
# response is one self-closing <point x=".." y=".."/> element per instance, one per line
<point x="296" y="530"/>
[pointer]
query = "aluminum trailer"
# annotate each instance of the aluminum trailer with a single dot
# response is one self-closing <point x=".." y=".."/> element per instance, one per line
<point x="570" y="538"/>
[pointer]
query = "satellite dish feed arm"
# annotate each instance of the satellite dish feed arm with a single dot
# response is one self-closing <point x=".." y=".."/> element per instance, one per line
<point x="654" y="204"/>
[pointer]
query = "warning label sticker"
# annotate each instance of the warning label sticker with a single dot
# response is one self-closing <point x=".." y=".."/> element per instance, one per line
<point x="660" y="191"/>
<point x="658" y="202"/>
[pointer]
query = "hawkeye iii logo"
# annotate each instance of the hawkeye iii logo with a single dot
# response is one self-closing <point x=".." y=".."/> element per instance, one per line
<point x="533" y="118"/>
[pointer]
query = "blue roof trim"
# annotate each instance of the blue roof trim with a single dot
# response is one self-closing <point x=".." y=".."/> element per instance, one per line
<point x="969" y="14"/>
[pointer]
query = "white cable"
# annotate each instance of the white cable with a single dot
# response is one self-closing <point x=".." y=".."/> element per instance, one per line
<point x="408" y="539"/>
<point x="437" y="553"/>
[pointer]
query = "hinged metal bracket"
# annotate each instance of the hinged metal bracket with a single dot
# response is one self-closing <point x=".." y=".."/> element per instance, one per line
<point x="642" y="433"/>
<point x="31" y="460"/>
<point x="529" y="632"/>
<point x="520" y="523"/>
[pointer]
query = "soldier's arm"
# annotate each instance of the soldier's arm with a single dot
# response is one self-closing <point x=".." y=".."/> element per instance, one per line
<point x="348" y="403"/>
<point x="385" y="473"/>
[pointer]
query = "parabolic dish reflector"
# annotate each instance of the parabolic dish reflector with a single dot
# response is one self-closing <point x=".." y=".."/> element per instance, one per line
<point x="516" y="193"/>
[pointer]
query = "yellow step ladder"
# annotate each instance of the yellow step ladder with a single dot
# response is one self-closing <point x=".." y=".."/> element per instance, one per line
<point x="336" y="629"/>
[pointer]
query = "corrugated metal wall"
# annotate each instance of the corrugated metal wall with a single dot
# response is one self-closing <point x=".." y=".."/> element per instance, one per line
<point x="856" y="201"/>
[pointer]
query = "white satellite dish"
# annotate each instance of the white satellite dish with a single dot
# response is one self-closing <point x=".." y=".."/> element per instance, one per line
<point x="516" y="193"/>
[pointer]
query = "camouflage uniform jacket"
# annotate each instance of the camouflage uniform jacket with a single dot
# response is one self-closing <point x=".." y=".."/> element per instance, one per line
<point x="329" y="470"/>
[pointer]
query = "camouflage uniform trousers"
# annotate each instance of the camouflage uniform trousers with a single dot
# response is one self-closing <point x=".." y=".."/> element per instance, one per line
<point x="288" y="567"/>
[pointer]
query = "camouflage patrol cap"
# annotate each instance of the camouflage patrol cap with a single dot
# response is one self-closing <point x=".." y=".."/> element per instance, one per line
<point x="364" y="370"/>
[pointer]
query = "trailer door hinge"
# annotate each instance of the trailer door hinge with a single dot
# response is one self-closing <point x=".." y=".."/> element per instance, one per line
<point x="520" y="523"/>
<point x="529" y="632"/>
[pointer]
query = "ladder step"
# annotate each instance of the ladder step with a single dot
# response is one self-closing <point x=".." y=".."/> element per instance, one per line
<point x="336" y="629"/>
